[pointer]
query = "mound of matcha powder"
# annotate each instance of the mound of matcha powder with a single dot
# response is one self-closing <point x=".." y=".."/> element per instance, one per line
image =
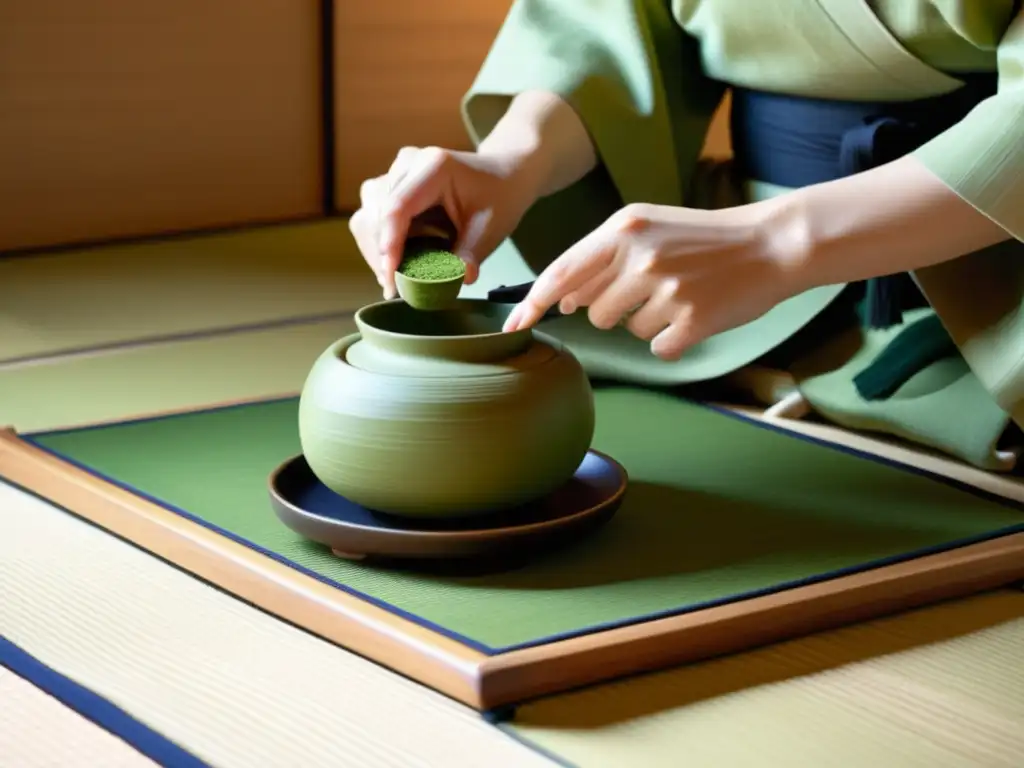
<point x="432" y="265"/>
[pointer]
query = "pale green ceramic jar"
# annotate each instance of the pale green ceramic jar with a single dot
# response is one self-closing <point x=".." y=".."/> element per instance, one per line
<point x="440" y="414"/>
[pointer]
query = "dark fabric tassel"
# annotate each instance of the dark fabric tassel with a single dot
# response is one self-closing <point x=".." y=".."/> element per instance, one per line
<point x="915" y="348"/>
<point x="884" y="302"/>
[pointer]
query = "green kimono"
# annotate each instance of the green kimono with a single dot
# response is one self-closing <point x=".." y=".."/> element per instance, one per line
<point x="646" y="77"/>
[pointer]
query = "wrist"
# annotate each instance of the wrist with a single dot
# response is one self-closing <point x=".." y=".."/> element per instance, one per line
<point x="785" y="241"/>
<point x="524" y="167"/>
<point x="542" y="142"/>
<point x="894" y="218"/>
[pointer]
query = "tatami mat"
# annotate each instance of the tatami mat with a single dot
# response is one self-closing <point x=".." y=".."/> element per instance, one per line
<point x="942" y="687"/>
<point x="101" y="296"/>
<point x="232" y="685"/>
<point x="140" y="376"/>
<point x="105" y="296"/>
<point x="37" y="731"/>
<point x="938" y="688"/>
<point x="163" y="377"/>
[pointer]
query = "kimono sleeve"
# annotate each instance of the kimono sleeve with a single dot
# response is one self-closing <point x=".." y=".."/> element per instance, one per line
<point x="634" y="78"/>
<point x="981" y="158"/>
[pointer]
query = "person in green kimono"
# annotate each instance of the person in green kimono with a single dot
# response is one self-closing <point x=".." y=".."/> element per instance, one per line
<point x="879" y="162"/>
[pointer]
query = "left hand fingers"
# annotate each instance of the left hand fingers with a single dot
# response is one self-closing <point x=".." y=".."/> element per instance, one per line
<point x="620" y="298"/>
<point x="585" y="296"/>
<point x="569" y="272"/>
<point x="678" y="317"/>
<point x="669" y="319"/>
<point x="658" y="313"/>
<point x="681" y="334"/>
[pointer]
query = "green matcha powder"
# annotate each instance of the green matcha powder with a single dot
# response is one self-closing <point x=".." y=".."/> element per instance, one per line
<point x="432" y="265"/>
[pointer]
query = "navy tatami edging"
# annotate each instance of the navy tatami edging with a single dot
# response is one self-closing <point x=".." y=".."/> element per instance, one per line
<point x="96" y="708"/>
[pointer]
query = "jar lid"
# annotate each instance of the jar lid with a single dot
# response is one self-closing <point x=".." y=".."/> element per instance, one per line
<point x="374" y="359"/>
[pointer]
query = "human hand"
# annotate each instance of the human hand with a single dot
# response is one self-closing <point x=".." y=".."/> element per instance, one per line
<point x="482" y="194"/>
<point x="679" y="275"/>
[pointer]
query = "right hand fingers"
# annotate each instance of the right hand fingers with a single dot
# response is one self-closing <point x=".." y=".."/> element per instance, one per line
<point x="365" y="228"/>
<point x="417" y="182"/>
<point x="400" y="166"/>
<point x="391" y="257"/>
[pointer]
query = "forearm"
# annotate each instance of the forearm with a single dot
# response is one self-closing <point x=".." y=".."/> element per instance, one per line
<point x="894" y="218"/>
<point x="546" y="141"/>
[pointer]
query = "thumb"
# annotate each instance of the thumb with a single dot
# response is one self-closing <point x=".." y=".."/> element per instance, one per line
<point x="477" y="240"/>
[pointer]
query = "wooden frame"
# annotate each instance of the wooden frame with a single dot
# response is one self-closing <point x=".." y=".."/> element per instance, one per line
<point x="488" y="682"/>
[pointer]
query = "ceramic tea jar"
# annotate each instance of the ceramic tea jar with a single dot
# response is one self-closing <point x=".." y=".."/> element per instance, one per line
<point x="440" y="414"/>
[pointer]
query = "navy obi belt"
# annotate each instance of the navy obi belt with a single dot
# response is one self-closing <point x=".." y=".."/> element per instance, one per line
<point x="792" y="141"/>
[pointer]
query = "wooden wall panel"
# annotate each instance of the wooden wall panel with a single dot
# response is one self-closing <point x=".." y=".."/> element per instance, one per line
<point x="401" y="68"/>
<point x="121" y="118"/>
